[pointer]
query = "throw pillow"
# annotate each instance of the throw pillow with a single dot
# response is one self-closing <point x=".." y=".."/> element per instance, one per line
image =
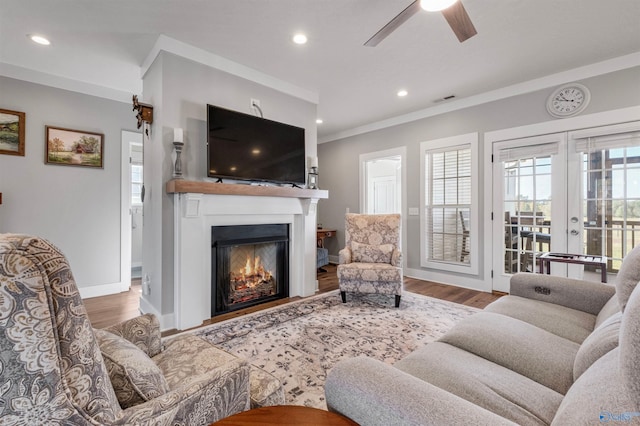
<point x="134" y="376"/>
<point x="367" y="253"/>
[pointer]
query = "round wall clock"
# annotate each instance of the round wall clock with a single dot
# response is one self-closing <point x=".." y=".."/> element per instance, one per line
<point x="567" y="100"/>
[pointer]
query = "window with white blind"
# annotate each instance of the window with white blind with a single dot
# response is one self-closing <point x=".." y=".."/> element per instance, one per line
<point x="449" y="214"/>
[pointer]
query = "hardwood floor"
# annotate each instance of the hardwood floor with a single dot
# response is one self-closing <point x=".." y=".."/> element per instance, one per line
<point x="108" y="310"/>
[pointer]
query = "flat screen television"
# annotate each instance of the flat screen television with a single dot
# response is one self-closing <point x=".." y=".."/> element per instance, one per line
<point x="247" y="147"/>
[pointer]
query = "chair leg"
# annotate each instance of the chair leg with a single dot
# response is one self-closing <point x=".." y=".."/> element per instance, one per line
<point x="343" y="294"/>
<point x="397" y="301"/>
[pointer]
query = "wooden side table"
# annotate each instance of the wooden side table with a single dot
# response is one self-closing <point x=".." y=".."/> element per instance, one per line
<point x="321" y="234"/>
<point x="293" y="415"/>
<point x="576" y="259"/>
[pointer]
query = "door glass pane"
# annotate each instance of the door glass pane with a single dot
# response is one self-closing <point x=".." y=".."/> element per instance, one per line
<point x="527" y="212"/>
<point x="611" y="204"/>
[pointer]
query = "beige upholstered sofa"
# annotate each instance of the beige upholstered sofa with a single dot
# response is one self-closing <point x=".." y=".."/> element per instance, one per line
<point x="55" y="369"/>
<point x="371" y="261"/>
<point x="555" y="351"/>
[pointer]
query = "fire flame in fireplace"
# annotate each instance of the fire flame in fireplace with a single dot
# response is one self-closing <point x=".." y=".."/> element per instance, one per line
<point x="251" y="275"/>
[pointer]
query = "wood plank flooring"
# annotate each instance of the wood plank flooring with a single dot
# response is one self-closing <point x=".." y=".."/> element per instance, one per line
<point x="108" y="310"/>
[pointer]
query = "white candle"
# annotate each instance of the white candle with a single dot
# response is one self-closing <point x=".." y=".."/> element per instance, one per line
<point x="313" y="162"/>
<point x="177" y="134"/>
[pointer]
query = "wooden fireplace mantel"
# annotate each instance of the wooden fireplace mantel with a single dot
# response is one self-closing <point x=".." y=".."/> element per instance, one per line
<point x="198" y="187"/>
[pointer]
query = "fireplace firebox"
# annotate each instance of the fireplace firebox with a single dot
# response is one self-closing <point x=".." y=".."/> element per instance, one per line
<point x="250" y="266"/>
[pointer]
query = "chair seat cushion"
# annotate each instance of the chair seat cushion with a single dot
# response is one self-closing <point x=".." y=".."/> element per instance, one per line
<point x="562" y="321"/>
<point x="185" y="357"/>
<point x="369" y="272"/>
<point x="484" y="383"/>
<point x="134" y="376"/>
<point x="367" y="253"/>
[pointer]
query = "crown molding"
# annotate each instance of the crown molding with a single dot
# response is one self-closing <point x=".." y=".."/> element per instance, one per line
<point x="587" y="71"/>
<point x="39" y="77"/>
<point x="187" y="51"/>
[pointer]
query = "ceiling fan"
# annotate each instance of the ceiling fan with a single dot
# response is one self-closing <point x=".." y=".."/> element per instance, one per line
<point x="453" y="12"/>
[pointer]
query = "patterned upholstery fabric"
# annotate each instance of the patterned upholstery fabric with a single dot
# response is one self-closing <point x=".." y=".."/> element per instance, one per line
<point x="142" y="331"/>
<point x="371" y="261"/>
<point x="371" y="254"/>
<point x="134" y="376"/>
<point x="51" y="368"/>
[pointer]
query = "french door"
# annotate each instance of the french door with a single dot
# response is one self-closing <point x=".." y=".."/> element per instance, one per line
<point x="575" y="192"/>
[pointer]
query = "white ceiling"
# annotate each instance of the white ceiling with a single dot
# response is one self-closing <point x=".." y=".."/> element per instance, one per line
<point x="106" y="42"/>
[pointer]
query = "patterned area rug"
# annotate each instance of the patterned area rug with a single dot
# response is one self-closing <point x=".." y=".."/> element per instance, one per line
<point x="301" y="341"/>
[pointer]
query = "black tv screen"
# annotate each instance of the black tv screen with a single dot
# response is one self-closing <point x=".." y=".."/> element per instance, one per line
<point x="247" y="147"/>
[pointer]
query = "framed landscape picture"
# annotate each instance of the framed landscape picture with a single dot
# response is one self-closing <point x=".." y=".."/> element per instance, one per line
<point x="67" y="147"/>
<point x="11" y="132"/>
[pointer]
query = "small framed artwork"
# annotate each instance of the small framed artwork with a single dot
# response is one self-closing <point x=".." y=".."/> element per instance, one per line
<point x="12" y="132"/>
<point x="68" y="147"/>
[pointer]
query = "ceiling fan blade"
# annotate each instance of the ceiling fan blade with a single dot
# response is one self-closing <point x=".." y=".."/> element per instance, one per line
<point x="459" y="21"/>
<point x="400" y="19"/>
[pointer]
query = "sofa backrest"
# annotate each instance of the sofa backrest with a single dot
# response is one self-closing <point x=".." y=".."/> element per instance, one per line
<point x="609" y="389"/>
<point x="628" y="276"/>
<point x="372" y="229"/>
<point x="49" y="356"/>
<point x="630" y="347"/>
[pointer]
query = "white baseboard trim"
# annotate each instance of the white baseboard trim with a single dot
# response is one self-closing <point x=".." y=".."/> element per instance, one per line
<point x="448" y="279"/>
<point x="167" y="322"/>
<point x="334" y="259"/>
<point x="100" y="290"/>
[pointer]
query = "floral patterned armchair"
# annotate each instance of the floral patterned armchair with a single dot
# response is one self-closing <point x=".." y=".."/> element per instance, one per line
<point x="55" y="369"/>
<point x="371" y="261"/>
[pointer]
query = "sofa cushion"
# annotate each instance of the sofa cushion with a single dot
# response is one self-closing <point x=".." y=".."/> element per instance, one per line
<point x="373" y="272"/>
<point x="134" y="376"/>
<point x="367" y="253"/>
<point x="598" y="396"/>
<point x="602" y="340"/>
<point x="565" y="322"/>
<point x="628" y="276"/>
<point x="609" y="309"/>
<point x="484" y="383"/>
<point x="629" y="344"/>
<point x="519" y="346"/>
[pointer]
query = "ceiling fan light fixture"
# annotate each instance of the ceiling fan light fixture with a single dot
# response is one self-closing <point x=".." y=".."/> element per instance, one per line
<point x="36" y="38"/>
<point x="436" y="5"/>
<point x="299" y="38"/>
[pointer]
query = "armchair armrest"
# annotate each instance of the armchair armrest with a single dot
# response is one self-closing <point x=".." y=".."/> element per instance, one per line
<point x="371" y="392"/>
<point x="396" y="258"/>
<point x="582" y="295"/>
<point x="142" y="331"/>
<point x="344" y="256"/>
<point x="202" y="400"/>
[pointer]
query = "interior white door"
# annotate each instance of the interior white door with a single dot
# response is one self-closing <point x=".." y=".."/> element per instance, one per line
<point x="384" y="195"/>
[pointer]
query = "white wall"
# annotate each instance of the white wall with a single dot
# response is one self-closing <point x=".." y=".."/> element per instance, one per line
<point x="77" y="208"/>
<point x="180" y="90"/>
<point x="339" y="159"/>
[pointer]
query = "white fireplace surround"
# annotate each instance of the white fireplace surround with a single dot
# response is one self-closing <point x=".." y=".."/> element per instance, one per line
<point x="196" y="213"/>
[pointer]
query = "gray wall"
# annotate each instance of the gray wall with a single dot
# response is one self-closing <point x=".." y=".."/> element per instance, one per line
<point x="339" y="160"/>
<point x="180" y="89"/>
<point x="77" y="208"/>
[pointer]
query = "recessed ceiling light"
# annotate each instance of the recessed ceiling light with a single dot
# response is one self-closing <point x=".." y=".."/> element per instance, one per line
<point x="255" y="151"/>
<point x="39" y="39"/>
<point x="299" y="38"/>
<point x="319" y="121"/>
<point x="436" y="5"/>
<point x="402" y="93"/>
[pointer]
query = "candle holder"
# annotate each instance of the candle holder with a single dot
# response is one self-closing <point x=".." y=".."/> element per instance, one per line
<point x="177" y="168"/>
<point x="313" y="178"/>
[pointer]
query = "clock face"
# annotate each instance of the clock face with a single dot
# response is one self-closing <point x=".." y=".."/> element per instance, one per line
<point x="568" y="100"/>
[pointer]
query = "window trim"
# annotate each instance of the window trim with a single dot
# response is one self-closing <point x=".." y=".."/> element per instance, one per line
<point x="470" y="141"/>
